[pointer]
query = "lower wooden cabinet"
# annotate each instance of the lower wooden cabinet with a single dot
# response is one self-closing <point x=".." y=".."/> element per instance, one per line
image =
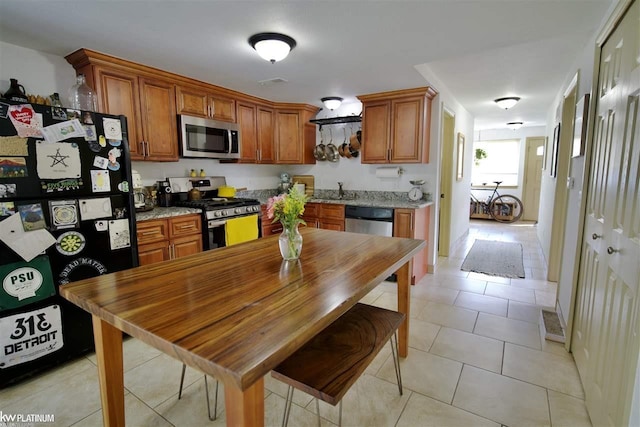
<point x="414" y="224"/>
<point x="327" y="216"/>
<point x="171" y="238"/>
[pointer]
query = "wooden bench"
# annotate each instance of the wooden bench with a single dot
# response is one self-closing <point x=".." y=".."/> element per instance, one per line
<point x="331" y="362"/>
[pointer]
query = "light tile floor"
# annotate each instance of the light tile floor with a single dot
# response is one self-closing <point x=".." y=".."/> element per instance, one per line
<point x="476" y="359"/>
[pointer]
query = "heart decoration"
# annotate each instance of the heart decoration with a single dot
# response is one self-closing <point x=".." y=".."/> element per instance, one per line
<point x="24" y="115"/>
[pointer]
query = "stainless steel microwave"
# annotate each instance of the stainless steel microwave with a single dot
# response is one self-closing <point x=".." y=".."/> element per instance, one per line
<point x="208" y="138"/>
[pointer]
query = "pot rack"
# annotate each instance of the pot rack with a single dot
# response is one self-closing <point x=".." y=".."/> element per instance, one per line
<point x="337" y="120"/>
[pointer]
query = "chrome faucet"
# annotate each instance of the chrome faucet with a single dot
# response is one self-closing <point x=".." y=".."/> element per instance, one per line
<point x="340" y="190"/>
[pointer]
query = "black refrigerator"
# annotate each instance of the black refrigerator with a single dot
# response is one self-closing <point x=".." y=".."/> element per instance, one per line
<point x="66" y="213"/>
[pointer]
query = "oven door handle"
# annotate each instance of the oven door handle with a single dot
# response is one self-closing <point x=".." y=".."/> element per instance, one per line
<point x="213" y="224"/>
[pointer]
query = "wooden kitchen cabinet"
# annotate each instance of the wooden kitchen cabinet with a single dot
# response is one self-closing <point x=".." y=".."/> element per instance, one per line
<point x="256" y="130"/>
<point x="414" y="224"/>
<point x="395" y="126"/>
<point x="147" y="101"/>
<point x="195" y="101"/>
<point x="327" y="216"/>
<point x="171" y="238"/>
<point x="295" y="136"/>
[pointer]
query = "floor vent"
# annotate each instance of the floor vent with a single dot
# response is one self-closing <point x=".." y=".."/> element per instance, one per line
<point x="551" y="326"/>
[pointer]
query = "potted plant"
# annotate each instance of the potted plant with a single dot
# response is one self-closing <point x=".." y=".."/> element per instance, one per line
<point x="480" y="154"/>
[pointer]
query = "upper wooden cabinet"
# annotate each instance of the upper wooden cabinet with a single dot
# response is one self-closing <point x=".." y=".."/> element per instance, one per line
<point x="147" y="101"/>
<point x="256" y="133"/>
<point x="295" y="136"/>
<point x="395" y="126"/>
<point x="196" y="101"/>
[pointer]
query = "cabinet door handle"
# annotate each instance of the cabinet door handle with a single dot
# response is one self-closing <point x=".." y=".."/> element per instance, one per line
<point x="172" y="251"/>
<point x="149" y="233"/>
<point x="258" y="154"/>
<point x="187" y="226"/>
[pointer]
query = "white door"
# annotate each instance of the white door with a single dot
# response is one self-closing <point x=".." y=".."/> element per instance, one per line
<point x="606" y="336"/>
<point x="532" y="177"/>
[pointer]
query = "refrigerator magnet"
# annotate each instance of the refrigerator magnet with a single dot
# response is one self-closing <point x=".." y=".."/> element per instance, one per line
<point x="73" y="114"/>
<point x="102" y="141"/>
<point x="26" y="282"/>
<point x="112" y="128"/>
<point x="124" y="186"/>
<point x="61" y="185"/>
<point x="32" y="217"/>
<point x="4" y="110"/>
<point x="63" y="130"/>
<point x="58" y="113"/>
<point x="7" y="191"/>
<point x="67" y="272"/>
<point x="90" y="133"/>
<point x="101" y="225"/>
<point x="119" y="236"/>
<point x="114" y="154"/>
<point x="13" y="146"/>
<point x="7" y="209"/>
<point x="87" y="118"/>
<point x="58" y="160"/>
<point x="114" y="142"/>
<point x="64" y="214"/>
<point x="100" y="162"/>
<point x="100" y="182"/>
<point x="95" y="208"/>
<point x="26" y="244"/>
<point x="13" y="167"/>
<point x="120" y="213"/>
<point x="70" y="243"/>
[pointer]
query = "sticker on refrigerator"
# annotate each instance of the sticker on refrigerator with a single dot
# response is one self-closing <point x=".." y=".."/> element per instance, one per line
<point x="26" y="282"/>
<point x="61" y="185"/>
<point x="26" y="244"/>
<point x="63" y="130"/>
<point x="100" y="162"/>
<point x="70" y="243"/>
<point x="7" y="208"/>
<point x="119" y="236"/>
<point x="32" y="217"/>
<point x="73" y="114"/>
<point x="64" y="214"/>
<point x="58" y="160"/>
<point x="114" y="154"/>
<point x="95" y="208"/>
<point x="13" y="167"/>
<point x="29" y="336"/>
<point x="4" y="110"/>
<point x="114" y="142"/>
<point x="26" y="121"/>
<point x="58" y="113"/>
<point x="90" y="134"/>
<point x="102" y="141"/>
<point x="82" y="263"/>
<point x="7" y="190"/>
<point x="13" y="146"/>
<point x="100" y="182"/>
<point x="124" y="186"/>
<point x="87" y="119"/>
<point x="112" y="128"/>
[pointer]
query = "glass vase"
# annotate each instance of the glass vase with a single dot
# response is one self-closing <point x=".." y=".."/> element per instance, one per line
<point x="290" y="242"/>
<point x="81" y="96"/>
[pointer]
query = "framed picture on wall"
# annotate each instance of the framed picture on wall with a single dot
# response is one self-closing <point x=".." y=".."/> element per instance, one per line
<point x="460" y="157"/>
<point x="580" y="127"/>
<point x="553" y="171"/>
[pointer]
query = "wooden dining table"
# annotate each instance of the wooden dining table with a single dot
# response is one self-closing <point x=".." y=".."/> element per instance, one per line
<point x="235" y="313"/>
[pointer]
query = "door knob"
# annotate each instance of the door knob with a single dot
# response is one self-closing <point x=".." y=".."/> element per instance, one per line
<point x="595" y="236"/>
<point x="611" y="251"/>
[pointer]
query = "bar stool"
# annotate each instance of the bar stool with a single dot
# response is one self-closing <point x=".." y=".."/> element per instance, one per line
<point x="328" y="365"/>
<point x="206" y="388"/>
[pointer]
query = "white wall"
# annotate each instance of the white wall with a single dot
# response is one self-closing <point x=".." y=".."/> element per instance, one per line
<point x="40" y="73"/>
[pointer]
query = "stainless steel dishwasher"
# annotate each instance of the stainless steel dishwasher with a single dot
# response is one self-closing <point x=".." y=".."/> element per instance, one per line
<point x="370" y="220"/>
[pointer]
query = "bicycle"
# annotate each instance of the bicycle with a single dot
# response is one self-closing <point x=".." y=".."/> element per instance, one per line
<point x="502" y="208"/>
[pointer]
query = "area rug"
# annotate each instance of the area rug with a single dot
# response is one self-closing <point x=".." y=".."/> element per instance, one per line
<point x="502" y="259"/>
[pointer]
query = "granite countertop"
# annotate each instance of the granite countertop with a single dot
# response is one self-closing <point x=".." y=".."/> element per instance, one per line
<point x="382" y="199"/>
<point x="160" y="213"/>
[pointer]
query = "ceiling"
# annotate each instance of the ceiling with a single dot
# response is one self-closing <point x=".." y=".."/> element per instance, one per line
<point x="478" y="49"/>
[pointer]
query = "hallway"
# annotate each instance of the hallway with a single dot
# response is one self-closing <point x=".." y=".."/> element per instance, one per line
<point x="476" y="359"/>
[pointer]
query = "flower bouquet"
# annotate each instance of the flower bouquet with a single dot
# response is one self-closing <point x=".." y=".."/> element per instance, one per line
<point x="288" y="208"/>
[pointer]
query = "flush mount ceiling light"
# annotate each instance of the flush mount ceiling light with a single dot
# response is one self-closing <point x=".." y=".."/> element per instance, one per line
<point x="331" y="102"/>
<point x="507" y="102"/>
<point x="514" y="125"/>
<point x="273" y="47"/>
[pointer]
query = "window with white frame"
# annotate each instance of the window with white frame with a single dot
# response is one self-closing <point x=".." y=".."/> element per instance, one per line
<point x="502" y="162"/>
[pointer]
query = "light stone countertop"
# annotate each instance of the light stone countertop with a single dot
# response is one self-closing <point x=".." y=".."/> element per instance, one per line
<point x="160" y="213"/>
